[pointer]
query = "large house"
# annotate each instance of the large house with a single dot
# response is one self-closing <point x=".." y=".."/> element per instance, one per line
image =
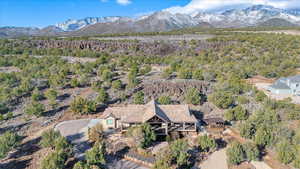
<point x="164" y="119"/>
<point x="289" y="85"/>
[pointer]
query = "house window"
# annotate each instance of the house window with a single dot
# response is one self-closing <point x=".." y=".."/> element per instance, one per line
<point x="109" y="121"/>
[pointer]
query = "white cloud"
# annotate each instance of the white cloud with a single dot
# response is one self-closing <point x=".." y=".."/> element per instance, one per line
<point x="124" y="2"/>
<point x="207" y="5"/>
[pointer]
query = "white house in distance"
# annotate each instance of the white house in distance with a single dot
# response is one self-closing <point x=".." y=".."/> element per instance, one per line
<point x="286" y="85"/>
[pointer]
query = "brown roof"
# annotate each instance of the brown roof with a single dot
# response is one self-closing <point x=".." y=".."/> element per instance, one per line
<point x="213" y="120"/>
<point x="143" y="113"/>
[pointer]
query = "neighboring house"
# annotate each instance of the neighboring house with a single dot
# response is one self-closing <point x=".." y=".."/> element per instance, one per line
<point x="289" y="85"/>
<point x="164" y="119"/>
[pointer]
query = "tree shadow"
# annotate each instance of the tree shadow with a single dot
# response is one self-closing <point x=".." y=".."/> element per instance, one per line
<point x="221" y="143"/>
<point x="198" y="114"/>
<point x="54" y="111"/>
<point x="15" y="164"/>
<point x="27" y="148"/>
<point x="100" y="108"/>
<point x="63" y="97"/>
<point x="13" y="127"/>
<point x="75" y="137"/>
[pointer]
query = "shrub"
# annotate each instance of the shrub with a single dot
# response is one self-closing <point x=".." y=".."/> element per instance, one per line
<point x="247" y="130"/>
<point x="145" y="70"/>
<point x="179" y="152"/>
<point x="296" y="138"/>
<point x="74" y="82"/>
<point x="296" y="162"/>
<point x="138" y="98"/>
<point x="102" y="96"/>
<point x="149" y="135"/>
<point x="229" y="115"/>
<point x="37" y="95"/>
<point x="83" y="106"/>
<point x="193" y="96"/>
<point x="61" y="150"/>
<point x="240" y="113"/>
<point x="206" y="144"/>
<point x="55" y="160"/>
<point x="49" y="137"/>
<point x="62" y="145"/>
<point x="51" y="95"/>
<point x="143" y="135"/>
<point x="35" y="108"/>
<point x="80" y="165"/>
<point x="251" y="151"/>
<point x="167" y="73"/>
<point x="163" y="159"/>
<point x="8" y="141"/>
<point x="117" y="84"/>
<point x="107" y="75"/>
<point x="264" y="136"/>
<point x="96" y="85"/>
<point x="235" y="153"/>
<point x="236" y="114"/>
<point x="95" y="133"/>
<point x="222" y="99"/>
<point x="198" y="75"/>
<point x="3" y="108"/>
<point x="132" y="80"/>
<point x="134" y="69"/>
<point x="260" y="96"/>
<point x="286" y="152"/>
<point x="164" y="100"/>
<point x="242" y="100"/>
<point x="96" y="155"/>
<point x="9" y="115"/>
<point x="185" y="73"/>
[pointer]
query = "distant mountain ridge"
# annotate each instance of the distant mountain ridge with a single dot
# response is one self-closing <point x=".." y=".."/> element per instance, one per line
<point x="165" y="20"/>
<point x="72" y="25"/>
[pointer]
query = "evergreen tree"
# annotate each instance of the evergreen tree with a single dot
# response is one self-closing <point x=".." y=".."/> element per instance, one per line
<point x="193" y="96"/>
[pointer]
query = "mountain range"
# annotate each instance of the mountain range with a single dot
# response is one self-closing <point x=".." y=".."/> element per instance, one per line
<point x="165" y="20"/>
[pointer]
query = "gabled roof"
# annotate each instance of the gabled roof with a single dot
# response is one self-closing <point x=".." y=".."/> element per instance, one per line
<point x="294" y="79"/>
<point x="143" y="113"/>
<point x="152" y="110"/>
<point x="279" y="85"/>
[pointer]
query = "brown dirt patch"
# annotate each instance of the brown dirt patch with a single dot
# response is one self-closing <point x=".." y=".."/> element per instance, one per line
<point x="260" y="79"/>
<point x="244" y="165"/>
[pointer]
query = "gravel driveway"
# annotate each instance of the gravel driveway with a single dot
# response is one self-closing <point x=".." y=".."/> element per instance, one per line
<point x="260" y="165"/>
<point x="74" y="131"/>
<point x="216" y="160"/>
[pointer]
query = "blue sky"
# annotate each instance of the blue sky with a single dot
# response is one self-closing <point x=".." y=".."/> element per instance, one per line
<point x="40" y="13"/>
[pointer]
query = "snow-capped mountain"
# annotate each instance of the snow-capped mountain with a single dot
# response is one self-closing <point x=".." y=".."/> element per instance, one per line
<point x="166" y="20"/>
<point x="250" y="16"/>
<point x="174" y="18"/>
<point x="72" y="25"/>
